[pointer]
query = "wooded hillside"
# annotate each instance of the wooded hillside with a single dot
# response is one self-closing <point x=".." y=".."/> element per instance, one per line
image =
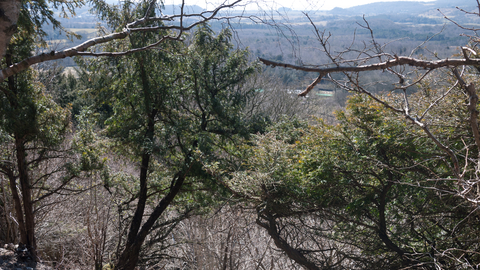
<point x="172" y="137"/>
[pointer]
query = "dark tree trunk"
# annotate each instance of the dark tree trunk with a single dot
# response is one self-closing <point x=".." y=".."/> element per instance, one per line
<point x="130" y="255"/>
<point x="271" y="226"/>
<point x="138" y="232"/>
<point x="382" y="223"/>
<point x="25" y="215"/>
<point x="29" y="228"/>
<point x="17" y="203"/>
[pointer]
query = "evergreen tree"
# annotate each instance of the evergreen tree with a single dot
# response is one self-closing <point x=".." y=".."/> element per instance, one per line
<point x="171" y="108"/>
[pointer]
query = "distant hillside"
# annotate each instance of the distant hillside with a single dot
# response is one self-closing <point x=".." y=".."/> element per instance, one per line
<point x="175" y="9"/>
<point x="410" y="23"/>
<point x="405" y="7"/>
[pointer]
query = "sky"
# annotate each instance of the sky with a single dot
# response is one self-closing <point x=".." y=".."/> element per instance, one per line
<point x="293" y="4"/>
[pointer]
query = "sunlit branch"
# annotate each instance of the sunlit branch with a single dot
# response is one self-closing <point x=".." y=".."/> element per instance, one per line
<point x="398" y="61"/>
<point x="81" y="50"/>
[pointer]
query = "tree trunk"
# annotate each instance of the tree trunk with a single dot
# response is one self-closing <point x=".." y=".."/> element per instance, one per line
<point x="382" y="223"/>
<point x="129" y="257"/>
<point x="9" y="11"/>
<point x="271" y="226"/>
<point x="29" y="229"/>
<point x="17" y="204"/>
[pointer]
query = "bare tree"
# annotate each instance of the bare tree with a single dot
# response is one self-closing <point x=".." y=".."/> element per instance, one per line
<point x="225" y="239"/>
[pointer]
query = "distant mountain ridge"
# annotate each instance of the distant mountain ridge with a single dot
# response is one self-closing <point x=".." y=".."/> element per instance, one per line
<point x="397" y="7"/>
<point x="169" y="9"/>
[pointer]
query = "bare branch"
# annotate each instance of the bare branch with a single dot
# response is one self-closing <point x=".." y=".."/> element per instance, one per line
<point x="148" y="47"/>
<point x="416" y="81"/>
<point x="398" y="61"/>
<point x="457" y="24"/>
<point x="465" y="51"/>
<point x="437" y="101"/>
<point x="425" y="41"/>
<point x="203" y="15"/>
<point x="378" y="50"/>
<point x="468" y="12"/>
<point x="311" y="86"/>
<point x="80" y="50"/>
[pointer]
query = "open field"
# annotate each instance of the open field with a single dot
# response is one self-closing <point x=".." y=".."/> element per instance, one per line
<point x="82" y="31"/>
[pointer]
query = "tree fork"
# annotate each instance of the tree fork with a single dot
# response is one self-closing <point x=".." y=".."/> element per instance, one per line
<point x="129" y="257"/>
<point x="271" y="226"/>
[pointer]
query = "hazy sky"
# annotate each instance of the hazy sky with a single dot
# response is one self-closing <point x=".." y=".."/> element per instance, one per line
<point x="293" y="4"/>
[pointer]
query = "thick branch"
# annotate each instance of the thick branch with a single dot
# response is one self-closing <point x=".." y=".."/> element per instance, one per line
<point x="271" y="226"/>
<point x="311" y="86"/>
<point x="472" y="107"/>
<point x="80" y="50"/>
<point x="398" y="61"/>
<point x="74" y="51"/>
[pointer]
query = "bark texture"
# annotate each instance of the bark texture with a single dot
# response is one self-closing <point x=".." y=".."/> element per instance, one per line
<point x="9" y="12"/>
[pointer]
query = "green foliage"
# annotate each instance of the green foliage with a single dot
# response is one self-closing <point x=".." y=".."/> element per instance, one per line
<point x="172" y="110"/>
<point x="26" y="110"/>
<point x="63" y="87"/>
<point x="366" y="176"/>
<point x="89" y="146"/>
<point x="196" y="94"/>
